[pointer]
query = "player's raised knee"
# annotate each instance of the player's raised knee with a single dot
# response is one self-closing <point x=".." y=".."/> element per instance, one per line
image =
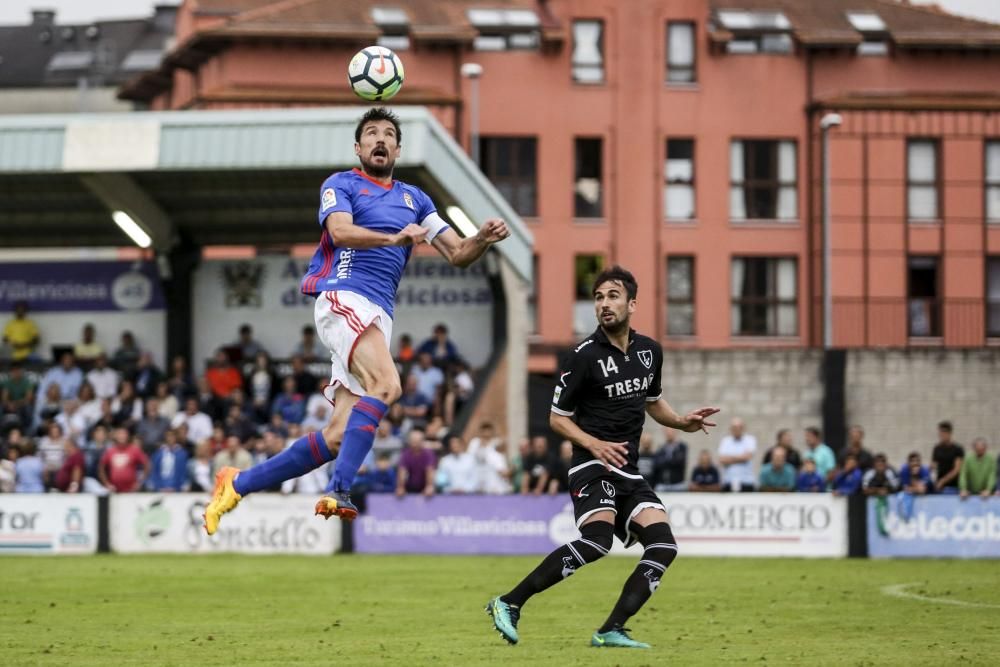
<point x="386" y="390"/>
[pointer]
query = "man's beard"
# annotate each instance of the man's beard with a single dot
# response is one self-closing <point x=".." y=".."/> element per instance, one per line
<point x="615" y="327"/>
<point x="378" y="171"/>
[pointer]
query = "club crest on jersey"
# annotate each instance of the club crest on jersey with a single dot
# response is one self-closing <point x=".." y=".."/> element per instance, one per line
<point x="329" y="198"/>
<point x="408" y="200"/>
<point x="646" y="357"/>
<point x="609" y="488"/>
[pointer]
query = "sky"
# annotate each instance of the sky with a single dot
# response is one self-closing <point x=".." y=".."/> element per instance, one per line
<point x="13" y="12"/>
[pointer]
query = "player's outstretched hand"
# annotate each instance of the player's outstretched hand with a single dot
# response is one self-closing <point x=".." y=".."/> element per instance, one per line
<point x="494" y="230"/>
<point x="610" y="453"/>
<point x="410" y="235"/>
<point x="698" y="420"/>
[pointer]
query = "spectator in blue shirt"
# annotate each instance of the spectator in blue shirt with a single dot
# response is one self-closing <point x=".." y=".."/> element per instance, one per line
<point x="28" y="470"/>
<point x="778" y="474"/>
<point x="848" y="481"/>
<point x="290" y="404"/>
<point x="384" y="476"/>
<point x="416" y="406"/>
<point x="809" y="480"/>
<point x="914" y="477"/>
<point x="67" y="376"/>
<point x="170" y="465"/>
<point x="441" y="349"/>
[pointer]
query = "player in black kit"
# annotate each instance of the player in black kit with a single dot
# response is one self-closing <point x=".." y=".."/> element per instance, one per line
<point x="611" y="381"/>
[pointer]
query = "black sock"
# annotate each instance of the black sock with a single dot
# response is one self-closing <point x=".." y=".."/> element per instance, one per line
<point x="645" y="579"/>
<point x="563" y="562"/>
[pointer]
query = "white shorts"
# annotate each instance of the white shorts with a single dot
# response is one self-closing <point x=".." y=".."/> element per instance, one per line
<point x="341" y="318"/>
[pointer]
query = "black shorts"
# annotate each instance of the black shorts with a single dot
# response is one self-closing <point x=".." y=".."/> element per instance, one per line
<point x="594" y="488"/>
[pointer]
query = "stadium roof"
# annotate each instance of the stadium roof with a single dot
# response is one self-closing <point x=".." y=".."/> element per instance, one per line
<point x="828" y="24"/>
<point x="215" y="177"/>
<point x="216" y="25"/>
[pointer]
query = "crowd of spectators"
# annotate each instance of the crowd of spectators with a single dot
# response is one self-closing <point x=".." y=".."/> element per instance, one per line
<point x="104" y="423"/>
<point x="855" y="471"/>
<point x="101" y="422"/>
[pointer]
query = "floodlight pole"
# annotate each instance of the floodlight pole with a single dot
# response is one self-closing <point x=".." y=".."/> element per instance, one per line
<point x="472" y="72"/>
<point x="830" y="120"/>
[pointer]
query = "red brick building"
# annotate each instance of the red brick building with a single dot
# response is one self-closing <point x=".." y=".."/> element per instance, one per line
<point x="681" y="139"/>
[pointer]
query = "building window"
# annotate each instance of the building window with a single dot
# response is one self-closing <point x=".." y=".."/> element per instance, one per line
<point x="504" y="29"/>
<point x="993" y="296"/>
<point x="586" y="268"/>
<point x="678" y="191"/>
<point x="395" y="25"/>
<point x="588" y="51"/>
<point x="764" y="296"/>
<point x="922" y="291"/>
<point x="763" y="176"/>
<point x="873" y="33"/>
<point x="511" y="164"/>
<point x="756" y="31"/>
<point x="680" y="52"/>
<point x="921" y="180"/>
<point x="993" y="181"/>
<point x="680" y="296"/>
<point x="587" y="191"/>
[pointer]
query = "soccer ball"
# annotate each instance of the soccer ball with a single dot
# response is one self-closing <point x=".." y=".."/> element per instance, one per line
<point x="375" y="73"/>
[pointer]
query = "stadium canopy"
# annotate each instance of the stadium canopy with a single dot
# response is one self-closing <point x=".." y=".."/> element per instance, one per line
<point x="216" y="177"/>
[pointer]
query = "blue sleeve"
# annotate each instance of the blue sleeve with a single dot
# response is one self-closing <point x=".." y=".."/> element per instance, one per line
<point x="424" y="206"/>
<point x="335" y="196"/>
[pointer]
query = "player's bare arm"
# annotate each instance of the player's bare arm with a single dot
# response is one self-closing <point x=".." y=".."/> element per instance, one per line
<point x="609" y="453"/>
<point x="692" y="422"/>
<point x="346" y="234"/>
<point x="463" y="252"/>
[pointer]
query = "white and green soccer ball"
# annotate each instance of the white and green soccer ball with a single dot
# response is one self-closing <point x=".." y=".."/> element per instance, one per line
<point x="375" y="73"/>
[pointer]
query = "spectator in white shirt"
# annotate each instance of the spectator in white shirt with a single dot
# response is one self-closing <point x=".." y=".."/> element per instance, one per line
<point x="103" y="378"/>
<point x="72" y="421"/>
<point x="491" y="455"/>
<point x="736" y="458"/>
<point x="199" y="425"/>
<point x="429" y="377"/>
<point x="457" y="471"/>
<point x="318" y="410"/>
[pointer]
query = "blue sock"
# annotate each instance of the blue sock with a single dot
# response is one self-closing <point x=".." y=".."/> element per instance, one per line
<point x="357" y="442"/>
<point x="307" y="453"/>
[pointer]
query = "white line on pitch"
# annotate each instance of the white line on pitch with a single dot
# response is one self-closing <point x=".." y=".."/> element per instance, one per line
<point x="899" y="591"/>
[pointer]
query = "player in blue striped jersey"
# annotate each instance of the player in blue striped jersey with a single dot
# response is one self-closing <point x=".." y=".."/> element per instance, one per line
<point x="370" y="223"/>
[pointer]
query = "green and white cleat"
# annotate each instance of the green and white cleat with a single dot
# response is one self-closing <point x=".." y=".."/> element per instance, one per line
<point x="615" y="638"/>
<point x="505" y="618"/>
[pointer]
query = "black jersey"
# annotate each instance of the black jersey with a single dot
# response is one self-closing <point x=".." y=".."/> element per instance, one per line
<point x="607" y="390"/>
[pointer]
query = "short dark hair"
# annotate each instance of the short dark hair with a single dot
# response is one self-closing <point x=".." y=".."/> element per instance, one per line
<point x="815" y="431"/>
<point x="617" y="274"/>
<point x="945" y="426"/>
<point x="376" y="114"/>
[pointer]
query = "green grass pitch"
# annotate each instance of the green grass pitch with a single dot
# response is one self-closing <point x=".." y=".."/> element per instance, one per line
<point x="373" y="610"/>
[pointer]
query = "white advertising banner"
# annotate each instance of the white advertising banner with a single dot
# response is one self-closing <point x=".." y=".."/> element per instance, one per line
<point x="48" y="523"/>
<point x="266" y="523"/>
<point x="758" y="524"/>
<point x="264" y="293"/>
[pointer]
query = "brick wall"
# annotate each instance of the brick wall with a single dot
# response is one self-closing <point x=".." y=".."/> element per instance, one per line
<point x="769" y="389"/>
<point x="899" y="396"/>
